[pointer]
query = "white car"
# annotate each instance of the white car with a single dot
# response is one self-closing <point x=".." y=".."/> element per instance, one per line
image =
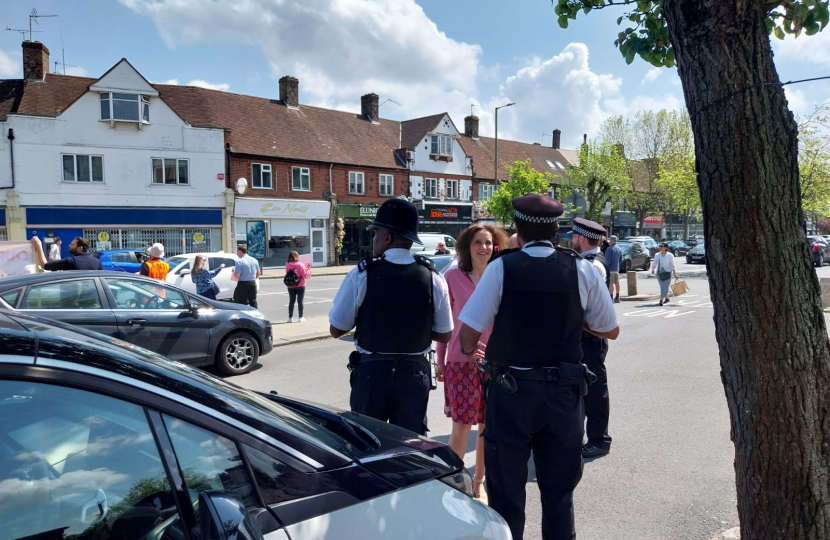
<point x="181" y="265"/>
<point x="430" y="241"/>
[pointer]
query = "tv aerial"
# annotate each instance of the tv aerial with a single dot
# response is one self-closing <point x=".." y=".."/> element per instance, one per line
<point x="34" y="16"/>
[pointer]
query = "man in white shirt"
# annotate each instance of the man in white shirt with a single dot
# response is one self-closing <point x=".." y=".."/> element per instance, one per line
<point x="397" y="314"/>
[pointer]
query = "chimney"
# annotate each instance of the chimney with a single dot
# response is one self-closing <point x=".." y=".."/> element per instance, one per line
<point x="369" y="107"/>
<point x="555" y="139"/>
<point x="471" y="126"/>
<point x="35" y="61"/>
<point x="290" y="91"/>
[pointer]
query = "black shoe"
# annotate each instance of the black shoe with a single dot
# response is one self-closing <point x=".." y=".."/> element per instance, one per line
<point x="617" y="299"/>
<point x="590" y="451"/>
<point x="661" y="302"/>
<point x="666" y="301"/>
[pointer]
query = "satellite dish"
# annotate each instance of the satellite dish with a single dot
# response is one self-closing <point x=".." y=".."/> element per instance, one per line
<point x="241" y="186"/>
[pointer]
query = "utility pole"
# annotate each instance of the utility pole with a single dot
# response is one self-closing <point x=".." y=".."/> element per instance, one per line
<point x="496" y="170"/>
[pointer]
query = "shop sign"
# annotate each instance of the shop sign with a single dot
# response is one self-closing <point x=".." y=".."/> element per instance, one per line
<point x="281" y="208"/>
<point x="449" y="214"/>
<point x="256" y="239"/>
<point x="198" y="237"/>
<point x="357" y="211"/>
<point x="103" y="236"/>
<point x="624" y="219"/>
<point x="369" y="211"/>
<point x="653" y="220"/>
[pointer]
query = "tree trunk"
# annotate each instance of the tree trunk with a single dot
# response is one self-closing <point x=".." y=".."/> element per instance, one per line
<point x="774" y="351"/>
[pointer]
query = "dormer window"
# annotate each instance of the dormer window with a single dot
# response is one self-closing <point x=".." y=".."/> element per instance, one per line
<point x="441" y="145"/>
<point x="117" y="107"/>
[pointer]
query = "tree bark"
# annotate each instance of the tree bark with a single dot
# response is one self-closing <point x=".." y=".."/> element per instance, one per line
<point x="774" y="352"/>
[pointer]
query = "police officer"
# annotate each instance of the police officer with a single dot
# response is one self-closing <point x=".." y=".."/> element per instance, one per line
<point x="399" y="305"/>
<point x="538" y="300"/>
<point x="586" y="240"/>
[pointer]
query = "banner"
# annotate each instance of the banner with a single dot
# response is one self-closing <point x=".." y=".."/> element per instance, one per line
<point x="17" y="259"/>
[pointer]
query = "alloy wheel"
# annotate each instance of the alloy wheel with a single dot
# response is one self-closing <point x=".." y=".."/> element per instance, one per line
<point x="239" y="353"/>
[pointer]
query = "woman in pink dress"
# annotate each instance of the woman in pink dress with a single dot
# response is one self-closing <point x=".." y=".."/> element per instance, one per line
<point x="463" y="392"/>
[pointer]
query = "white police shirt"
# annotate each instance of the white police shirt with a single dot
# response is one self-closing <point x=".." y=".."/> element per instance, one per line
<point x="598" y="265"/>
<point x="349" y="298"/>
<point x="480" y="311"/>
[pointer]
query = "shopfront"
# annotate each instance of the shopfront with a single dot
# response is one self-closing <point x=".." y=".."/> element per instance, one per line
<point x="280" y="226"/>
<point x="623" y="224"/>
<point x="444" y="218"/>
<point x="357" y="243"/>
<point x="179" y="230"/>
<point x="653" y="226"/>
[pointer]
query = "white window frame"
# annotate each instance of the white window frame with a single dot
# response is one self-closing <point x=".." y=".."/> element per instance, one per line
<point x="304" y="171"/>
<point x="452" y="189"/>
<point x="486" y="191"/>
<point x="386" y="185"/>
<point x="262" y="168"/>
<point x="353" y="180"/>
<point x="164" y="182"/>
<point x="75" y="168"/>
<point x="441" y="143"/>
<point x="142" y="104"/>
<point x="430" y="188"/>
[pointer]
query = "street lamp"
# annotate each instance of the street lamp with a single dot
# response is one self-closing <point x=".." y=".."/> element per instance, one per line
<point x="496" y="170"/>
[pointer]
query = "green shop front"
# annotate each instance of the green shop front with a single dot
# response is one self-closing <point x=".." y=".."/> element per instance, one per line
<point x="357" y="243"/>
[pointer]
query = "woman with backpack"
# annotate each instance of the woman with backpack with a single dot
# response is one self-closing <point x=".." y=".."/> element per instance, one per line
<point x="205" y="286"/>
<point x="295" y="275"/>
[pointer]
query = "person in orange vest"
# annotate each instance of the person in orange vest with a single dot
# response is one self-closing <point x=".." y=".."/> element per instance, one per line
<point x="155" y="267"/>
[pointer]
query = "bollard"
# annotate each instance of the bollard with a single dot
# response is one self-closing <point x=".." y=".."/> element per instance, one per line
<point x="631" y="275"/>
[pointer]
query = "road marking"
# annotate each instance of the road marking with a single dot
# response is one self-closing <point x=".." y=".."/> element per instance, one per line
<point x="656" y="312"/>
<point x="318" y="302"/>
<point x="307" y="291"/>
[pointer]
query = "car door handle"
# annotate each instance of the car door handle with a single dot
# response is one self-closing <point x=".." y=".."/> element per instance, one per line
<point x="137" y="322"/>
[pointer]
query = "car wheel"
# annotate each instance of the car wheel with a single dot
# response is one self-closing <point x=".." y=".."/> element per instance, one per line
<point x="624" y="267"/>
<point x="237" y="354"/>
<point x="820" y="261"/>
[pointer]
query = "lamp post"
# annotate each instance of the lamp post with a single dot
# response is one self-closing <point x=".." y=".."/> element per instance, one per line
<point x="496" y="170"/>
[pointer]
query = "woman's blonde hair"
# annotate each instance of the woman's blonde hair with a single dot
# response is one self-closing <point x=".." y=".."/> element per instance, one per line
<point x="293" y="256"/>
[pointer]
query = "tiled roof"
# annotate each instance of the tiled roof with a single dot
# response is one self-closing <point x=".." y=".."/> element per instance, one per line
<point x="264" y="127"/>
<point x="10" y="92"/>
<point x="482" y="150"/>
<point x="413" y="130"/>
<point x="47" y="98"/>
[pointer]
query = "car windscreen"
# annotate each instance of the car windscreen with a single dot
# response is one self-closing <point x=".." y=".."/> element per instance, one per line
<point x="176" y="261"/>
<point x="624" y="247"/>
<point x="97" y="254"/>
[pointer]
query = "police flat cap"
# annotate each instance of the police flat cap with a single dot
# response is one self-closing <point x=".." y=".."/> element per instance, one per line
<point x="535" y="208"/>
<point x="588" y="229"/>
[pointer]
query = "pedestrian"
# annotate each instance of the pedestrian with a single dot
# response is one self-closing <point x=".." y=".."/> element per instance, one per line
<point x="514" y="241"/>
<point x="203" y="278"/>
<point x="55" y="249"/>
<point x="586" y="240"/>
<point x="155" y="267"/>
<point x="80" y="257"/>
<point x="295" y="275"/>
<point x="613" y="256"/>
<point x="463" y="391"/>
<point x="604" y="245"/>
<point x="538" y="301"/>
<point x="246" y="273"/>
<point x="442" y="249"/>
<point x="664" y="264"/>
<point x="397" y="314"/>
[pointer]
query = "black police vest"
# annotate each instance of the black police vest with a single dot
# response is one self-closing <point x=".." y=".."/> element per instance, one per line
<point x="540" y="318"/>
<point x="601" y="258"/>
<point x="397" y="313"/>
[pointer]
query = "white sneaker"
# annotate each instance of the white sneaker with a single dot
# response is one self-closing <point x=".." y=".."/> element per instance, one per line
<point x="302" y="319"/>
<point x="289" y="320"/>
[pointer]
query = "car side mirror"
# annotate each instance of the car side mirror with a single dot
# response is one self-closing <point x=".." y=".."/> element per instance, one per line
<point x="184" y="272"/>
<point x="194" y="311"/>
<point x="222" y="515"/>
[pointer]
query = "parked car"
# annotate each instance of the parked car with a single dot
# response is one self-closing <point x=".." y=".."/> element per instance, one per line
<point x="697" y="254"/>
<point x="442" y="262"/>
<point x="647" y="241"/>
<point x="102" y="439"/>
<point x="181" y="265"/>
<point x="145" y="312"/>
<point x="677" y="247"/>
<point x="634" y="256"/>
<point x="820" y="249"/>
<point x="430" y="241"/>
<point x="121" y="260"/>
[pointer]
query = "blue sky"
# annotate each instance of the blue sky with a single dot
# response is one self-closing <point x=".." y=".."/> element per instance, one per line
<point x="429" y="56"/>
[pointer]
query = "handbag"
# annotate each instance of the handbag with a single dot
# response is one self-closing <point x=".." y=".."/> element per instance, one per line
<point x="215" y="288"/>
<point x="679" y="287"/>
<point x="663" y="276"/>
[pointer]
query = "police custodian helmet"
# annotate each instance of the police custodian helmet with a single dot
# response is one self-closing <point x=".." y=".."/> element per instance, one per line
<point x="399" y="217"/>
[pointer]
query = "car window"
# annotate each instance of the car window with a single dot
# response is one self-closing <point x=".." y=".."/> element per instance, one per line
<point x="209" y="461"/>
<point x="277" y="481"/>
<point x="175" y="261"/>
<point x="69" y="294"/>
<point x="449" y="241"/>
<point x="135" y="294"/>
<point x="124" y="257"/>
<point x="140" y="256"/>
<point x="216" y="262"/>
<point x="81" y="466"/>
<point x="10" y="297"/>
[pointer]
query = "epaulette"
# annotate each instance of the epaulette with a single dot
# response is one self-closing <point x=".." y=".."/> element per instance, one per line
<point x="369" y="262"/>
<point x="568" y="251"/>
<point x="502" y="253"/>
<point x="426" y="262"/>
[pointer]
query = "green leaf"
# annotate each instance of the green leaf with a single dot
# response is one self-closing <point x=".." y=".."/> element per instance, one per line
<point x="779" y="33"/>
<point x="619" y="20"/>
<point x="670" y="57"/>
<point x="586" y="8"/>
<point x="812" y="29"/>
<point x="629" y="57"/>
<point x="563" y="21"/>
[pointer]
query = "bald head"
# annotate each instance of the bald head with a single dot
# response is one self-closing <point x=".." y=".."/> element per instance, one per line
<point x="514" y="241"/>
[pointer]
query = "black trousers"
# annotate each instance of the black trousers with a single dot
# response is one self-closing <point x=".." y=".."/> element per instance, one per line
<point x="546" y="419"/>
<point x="597" y="404"/>
<point x="245" y="293"/>
<point x="295" y="293"/>
<point x="394" y="391"/>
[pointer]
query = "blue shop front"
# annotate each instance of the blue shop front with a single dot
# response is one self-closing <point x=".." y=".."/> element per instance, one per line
<point x="180" y="230"/>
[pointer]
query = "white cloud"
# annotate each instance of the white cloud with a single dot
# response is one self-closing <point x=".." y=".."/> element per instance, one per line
<point x="76" y="71"/>
<point x="651" y="75"/>
<point x="168" y="81"/>
<point x="797" y="101"/>
<point x="224" y="87"/>
<point x="813" y="49"/>
<point x="9" y="66"/>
